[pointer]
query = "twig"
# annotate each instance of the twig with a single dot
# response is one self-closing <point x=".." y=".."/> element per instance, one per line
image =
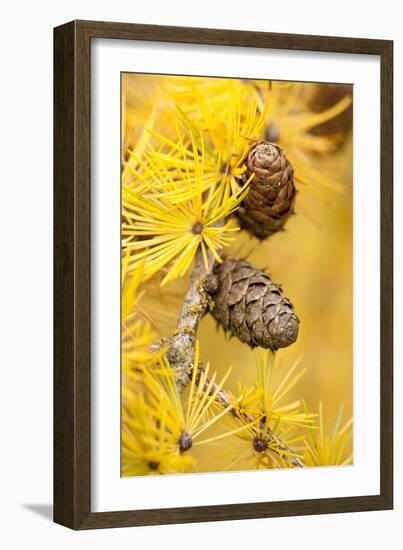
<point x="181" y="348"/>
<point x="224" y="399"/>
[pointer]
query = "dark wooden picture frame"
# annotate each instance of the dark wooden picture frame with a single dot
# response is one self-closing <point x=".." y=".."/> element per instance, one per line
<point x="72" y="271"/>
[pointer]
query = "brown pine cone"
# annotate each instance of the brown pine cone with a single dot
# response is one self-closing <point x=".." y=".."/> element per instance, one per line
<point x="251" y="306"/>
<point x="271" y="197"/>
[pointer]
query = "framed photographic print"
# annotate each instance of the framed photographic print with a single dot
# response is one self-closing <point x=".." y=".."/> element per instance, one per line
<point x="222" y="275"/>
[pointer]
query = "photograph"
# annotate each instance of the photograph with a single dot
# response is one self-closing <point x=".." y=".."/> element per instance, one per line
<point x="236" y="274"/>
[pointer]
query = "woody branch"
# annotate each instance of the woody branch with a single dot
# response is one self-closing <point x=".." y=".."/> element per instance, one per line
<point x="181" y="349"/>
